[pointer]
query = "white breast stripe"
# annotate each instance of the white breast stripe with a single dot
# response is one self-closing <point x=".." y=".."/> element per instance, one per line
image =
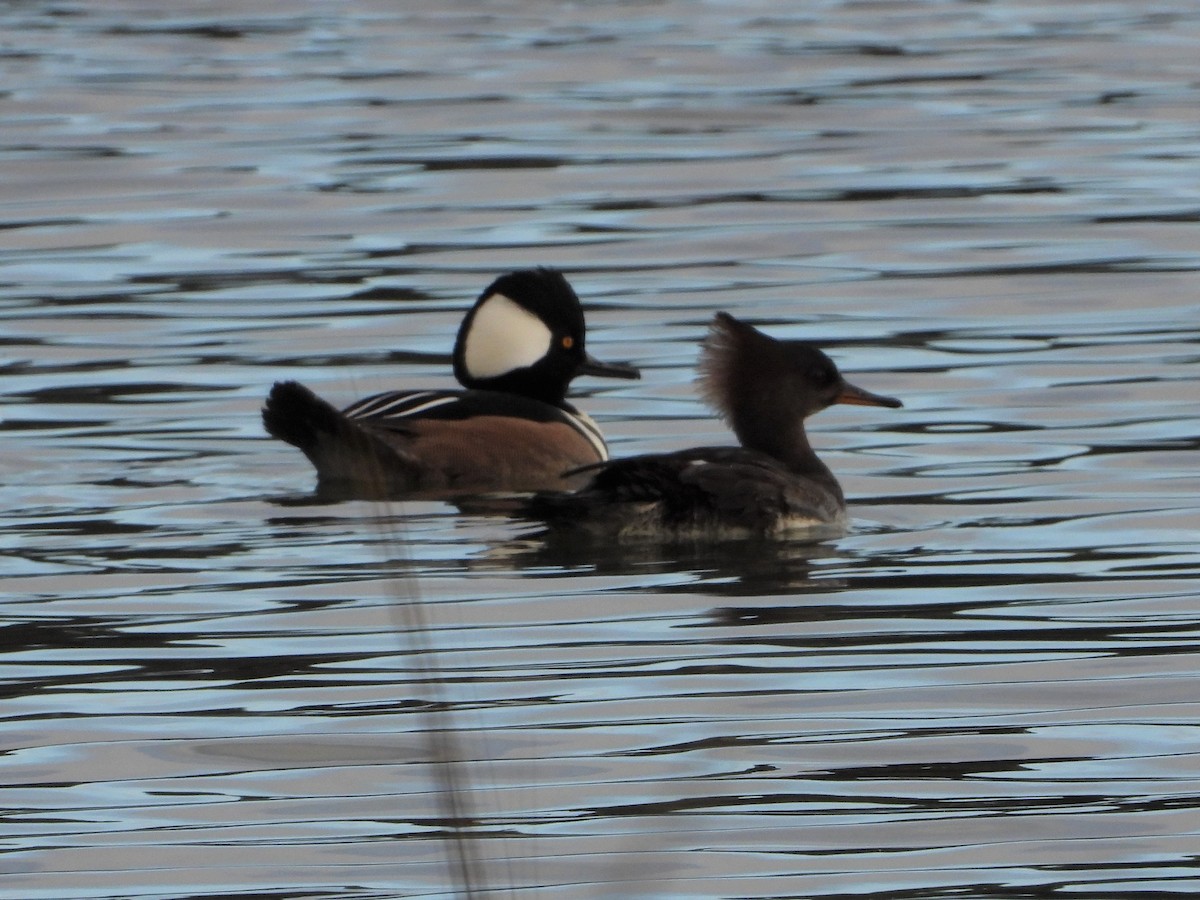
<point x="584" y="424"/>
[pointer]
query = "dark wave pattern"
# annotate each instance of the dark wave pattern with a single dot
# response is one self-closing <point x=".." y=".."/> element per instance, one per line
<point x="215" y="686"/>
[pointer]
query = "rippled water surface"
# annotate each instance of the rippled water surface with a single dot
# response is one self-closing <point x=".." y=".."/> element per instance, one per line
<point x="218" y="687"/>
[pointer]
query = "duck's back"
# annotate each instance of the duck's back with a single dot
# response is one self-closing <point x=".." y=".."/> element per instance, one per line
<point x="706" y="491"/>
<point x="440" y="443"/>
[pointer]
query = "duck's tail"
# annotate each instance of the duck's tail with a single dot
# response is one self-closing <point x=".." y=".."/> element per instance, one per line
<point x="347" y="454"/>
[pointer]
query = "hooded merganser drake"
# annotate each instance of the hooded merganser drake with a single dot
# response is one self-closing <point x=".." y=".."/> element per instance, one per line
<point x="773" y="485"/>
<point x="512" y="429"/>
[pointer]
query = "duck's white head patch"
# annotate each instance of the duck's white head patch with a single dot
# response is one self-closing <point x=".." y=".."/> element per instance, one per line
<point x="504" y="336"/>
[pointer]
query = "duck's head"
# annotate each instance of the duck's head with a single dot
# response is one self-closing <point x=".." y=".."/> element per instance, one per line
<point x="765" y="387"/>
<point x="526" y="335"/>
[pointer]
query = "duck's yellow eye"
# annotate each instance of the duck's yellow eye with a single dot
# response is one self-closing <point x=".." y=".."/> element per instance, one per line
<point x="568" y="342"/>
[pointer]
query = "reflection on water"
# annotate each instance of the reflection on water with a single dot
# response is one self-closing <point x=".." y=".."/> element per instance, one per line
<point x="218" y="686"/>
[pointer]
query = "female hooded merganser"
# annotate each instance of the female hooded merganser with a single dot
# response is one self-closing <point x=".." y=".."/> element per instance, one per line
<point x="773" y="485"/>
<point x="512" y="430"/>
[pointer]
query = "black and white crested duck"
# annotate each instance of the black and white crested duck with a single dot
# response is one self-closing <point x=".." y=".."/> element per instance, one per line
<point x="511" y="430"/>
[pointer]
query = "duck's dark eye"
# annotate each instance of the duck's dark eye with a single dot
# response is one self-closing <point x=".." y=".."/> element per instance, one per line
<point x="821" y="376"/>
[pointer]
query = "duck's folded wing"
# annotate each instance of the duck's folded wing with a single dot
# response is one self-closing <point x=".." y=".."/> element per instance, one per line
<point x="392" y="408"/>
<point x="725" y="484"/>
<point x="754" y="490"/>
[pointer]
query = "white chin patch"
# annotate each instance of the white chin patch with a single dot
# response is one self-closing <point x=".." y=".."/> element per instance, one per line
<point x="504" y="337"/>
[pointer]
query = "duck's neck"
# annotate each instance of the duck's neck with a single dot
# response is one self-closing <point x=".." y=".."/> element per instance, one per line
<point x="788" y="445"/>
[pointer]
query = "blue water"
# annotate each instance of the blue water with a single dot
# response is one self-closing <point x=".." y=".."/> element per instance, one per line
<point x="217" y="687"/>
